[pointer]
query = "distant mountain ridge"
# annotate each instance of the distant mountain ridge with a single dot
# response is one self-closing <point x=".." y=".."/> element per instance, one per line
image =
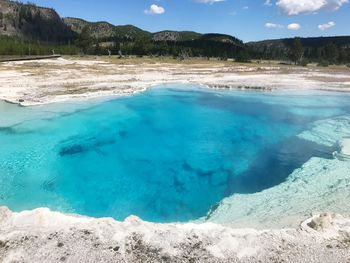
<point x="40" y="23"/>
<point x="106" y="31"/>
<point x="305" y="41"/>
<point x="31" y="22"/>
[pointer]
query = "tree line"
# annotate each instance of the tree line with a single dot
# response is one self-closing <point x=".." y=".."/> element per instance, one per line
<point x="145" y="46"/>
<point x="10" y="46"/>
<point x="296" y="53"/>
<point x="324" y="54"/>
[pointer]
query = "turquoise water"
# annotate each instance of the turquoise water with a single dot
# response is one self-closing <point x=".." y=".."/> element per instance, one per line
<point x="168" y="154"/>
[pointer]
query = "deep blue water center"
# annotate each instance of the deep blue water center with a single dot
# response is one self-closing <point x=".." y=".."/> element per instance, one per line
<point x="168" y="154"/>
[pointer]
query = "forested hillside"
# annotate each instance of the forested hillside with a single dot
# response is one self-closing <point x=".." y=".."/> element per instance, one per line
<point x="26" y="29"/>
<point x="29" y="22"/>
<point x="102" y="38"/>
<point x="331" y="50"/>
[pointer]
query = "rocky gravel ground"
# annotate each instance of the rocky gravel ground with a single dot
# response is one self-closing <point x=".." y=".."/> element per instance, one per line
<point x="44" y="236"/>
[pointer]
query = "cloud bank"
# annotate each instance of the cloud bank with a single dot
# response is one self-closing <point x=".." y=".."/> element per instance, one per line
<point x="296" y="7"/>
<point x="327" y="25"/>
<point x="273" y="25"/>
<point x="209" y="1"/>
<point x="155" y="10"/>
<point x="294" y="26"/>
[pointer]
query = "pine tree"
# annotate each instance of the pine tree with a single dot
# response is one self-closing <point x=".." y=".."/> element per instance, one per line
<point x="1" y="19"/>
<point x="84" y="40"/>
<point x="332" y="53"/>
<point x="297" y="51"/>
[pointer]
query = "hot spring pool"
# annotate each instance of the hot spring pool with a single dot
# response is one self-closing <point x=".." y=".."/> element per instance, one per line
<point x="168" y="154"/>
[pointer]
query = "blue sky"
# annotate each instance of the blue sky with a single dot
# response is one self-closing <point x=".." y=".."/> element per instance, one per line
<point x="246" y="19"/>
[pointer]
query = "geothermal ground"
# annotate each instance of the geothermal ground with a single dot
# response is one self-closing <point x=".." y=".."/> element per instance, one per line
<point x="263" y="227"/>
<point x="44" y="236"/>
<point x="52" y="80"/>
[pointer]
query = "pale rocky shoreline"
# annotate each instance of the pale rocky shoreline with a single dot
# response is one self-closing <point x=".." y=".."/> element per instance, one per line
<point x="45" y="236"/>
<point x="64" y="79"/>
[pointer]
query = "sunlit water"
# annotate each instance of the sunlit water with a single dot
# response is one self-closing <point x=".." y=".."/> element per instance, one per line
<point x="168" y="154"/>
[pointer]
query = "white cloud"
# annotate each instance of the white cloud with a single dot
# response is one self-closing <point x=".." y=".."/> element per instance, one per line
<point x="268" y="2"/>
<point x="273" y="25"/>
<point x="327" y="25"/>
<point x="294" y="26"/>
<point x="155" y="10"/>
<point x="296" y="7"/>
<point x="209" y="1"/>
